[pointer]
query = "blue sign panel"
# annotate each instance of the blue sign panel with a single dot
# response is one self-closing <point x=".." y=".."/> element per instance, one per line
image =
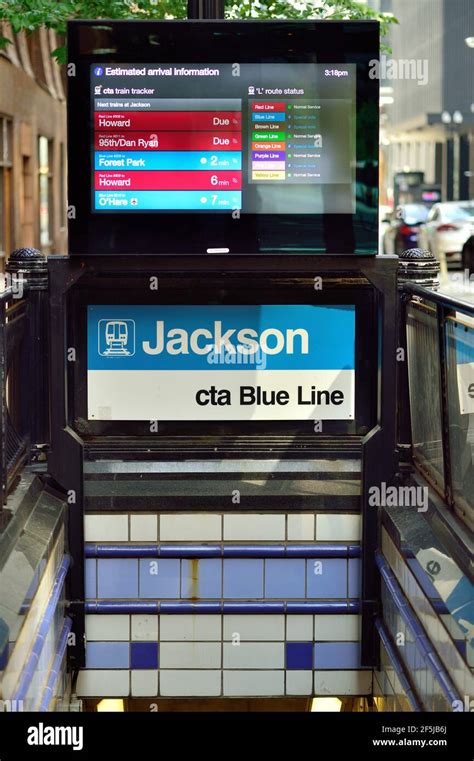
<point x="268" y="362"/>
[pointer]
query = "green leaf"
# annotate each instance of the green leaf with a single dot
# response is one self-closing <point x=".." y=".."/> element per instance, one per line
<point x="30" y="15"/>
<point x="60" y="55"/>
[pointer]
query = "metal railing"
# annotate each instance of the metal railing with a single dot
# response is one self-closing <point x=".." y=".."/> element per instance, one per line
<point x="24" y="402"/>
<point x="13" y="445"/>
<point x="440" y="347"/>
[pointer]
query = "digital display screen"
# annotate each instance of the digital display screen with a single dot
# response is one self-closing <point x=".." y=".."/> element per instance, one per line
<point x="222" y="137"/>
<point x="268" y="139"/>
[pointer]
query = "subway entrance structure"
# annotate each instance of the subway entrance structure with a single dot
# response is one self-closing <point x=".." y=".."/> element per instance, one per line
<point x="235" y="386"/>
<point x="232" y="392"/>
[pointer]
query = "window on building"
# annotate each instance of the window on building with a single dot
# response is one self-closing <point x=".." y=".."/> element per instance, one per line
<point x="45" y="166"/>
<point x="6" y="207"/>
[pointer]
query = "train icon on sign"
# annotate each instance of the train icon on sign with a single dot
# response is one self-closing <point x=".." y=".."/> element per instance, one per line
<point x="116" y="338"/>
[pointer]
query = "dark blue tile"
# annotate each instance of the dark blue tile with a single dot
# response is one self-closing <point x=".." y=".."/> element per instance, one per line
<point x="143" y="655"/>
<point x="299" y="656"/>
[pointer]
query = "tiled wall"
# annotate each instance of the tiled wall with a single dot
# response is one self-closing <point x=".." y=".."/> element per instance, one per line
<point x="421" y="670"/>
<point x="217" y="527"/>
<point x="426" y="669"/>
<point x="229" y="654"/>
<point x="228" y="578"/>
<point x="223" y="655"/>
<point x="425" y="603"/>
<point x="389" y="694"/>
<point x="31" y="674"/>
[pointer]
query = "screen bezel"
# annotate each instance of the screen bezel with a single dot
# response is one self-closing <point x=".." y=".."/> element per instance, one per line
<point x="128" y="233"/>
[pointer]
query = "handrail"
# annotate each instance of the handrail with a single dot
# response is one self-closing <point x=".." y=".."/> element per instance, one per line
<point x="442" y="299"/>
<point x="433" y="663"/>
<point x="451" y="422"/>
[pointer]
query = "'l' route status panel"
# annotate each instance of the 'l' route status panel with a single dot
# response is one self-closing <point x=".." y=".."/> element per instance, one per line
<point x="269" y="138"/>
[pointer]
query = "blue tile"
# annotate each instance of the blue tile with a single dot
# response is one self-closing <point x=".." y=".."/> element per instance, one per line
<point x="409" y="655"/>
<point x="243" y="579"/>
<point x="337" y="655"/>
<point x="299" y="656"/>
<point x="117" y="578"/>
<point x="143" y="655"/>
<point x="284" y="578"/>
<point x="107" y="655"/>
<point x="159" y="579"/>
<point x="355" y="577"/>
<point x="201" y="579"/>
<point x="91" y="579"/>
<point x="326" y="578"/>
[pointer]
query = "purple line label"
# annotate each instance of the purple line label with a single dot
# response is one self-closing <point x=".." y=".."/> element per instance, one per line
<point x="268" y="155"/>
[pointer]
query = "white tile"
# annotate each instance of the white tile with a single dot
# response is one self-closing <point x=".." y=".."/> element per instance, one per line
<point x="254" y="527"/>
<point x="189" y="683"/>
<point x="253" y="683"/>
<point x="106" y="528"/>
<point x="299" y="682"/>
<point x="257" y="655"/>
<point x="338" y="528"/>
<point x="103" y="683"/>
<point x="342" y="683"/>
<point x="251" y="628"/>
<point x="190" y="627"/>
<point x="144" y="683"/>
<point x="190" y="527"/>
<point x="299" y="628"/>
<point x="105" y="627"/>
<point x="143" y="528"/>
<point x="337" y="628"/>
<point x="144" y="628"/>
<point x="301" y="527"/>
<point x="190" y="655"/>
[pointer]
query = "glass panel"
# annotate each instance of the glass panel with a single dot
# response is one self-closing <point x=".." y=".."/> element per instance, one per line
<point x="460" y="371"/>
<point x="425" y="400"/>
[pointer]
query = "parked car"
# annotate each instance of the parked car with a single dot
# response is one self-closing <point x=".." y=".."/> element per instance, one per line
<point x="448" y="227"/>
<point x="403" y="227"/>
<point x="468" y="255"/>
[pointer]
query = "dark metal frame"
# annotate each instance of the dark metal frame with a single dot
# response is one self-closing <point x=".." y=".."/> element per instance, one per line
<point x="110" y="232"/>
<point x="14" y="439"/>
<point x="445" y="306"/>
<point x="127" y="284"/>
<point x="378" y="445"/>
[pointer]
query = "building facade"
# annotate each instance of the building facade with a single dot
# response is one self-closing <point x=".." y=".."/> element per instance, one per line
<point x="33" y="209"/>
<point x="428" y="108"/>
